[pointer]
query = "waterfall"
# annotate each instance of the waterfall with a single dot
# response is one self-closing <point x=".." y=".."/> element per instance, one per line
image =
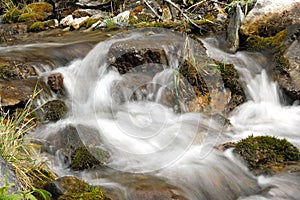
<point x="149" y="138"/>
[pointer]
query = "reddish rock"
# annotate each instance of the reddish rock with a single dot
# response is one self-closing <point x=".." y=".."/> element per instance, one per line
<point x="55" y="81"/>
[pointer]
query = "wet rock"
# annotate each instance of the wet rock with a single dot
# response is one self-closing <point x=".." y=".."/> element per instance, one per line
<point x="88" y="157"/>
<point x="55" y="81"/>
<point x="16" y="70"/>
<point x="268" y="17"/>
<point x="287" y="70"/>
<point x="67" y="139"/>
<point x="54" y="110"/>
<point x="70" y="187"/>
<point x="16" y="92"/>
<point x="143" y="187"/>
<point x="216" y="86"/>
<point x="145" y="55"/>
<point x="233" y="28"/>
<point x="7" y="175"/>
<point x="266" y="154"/>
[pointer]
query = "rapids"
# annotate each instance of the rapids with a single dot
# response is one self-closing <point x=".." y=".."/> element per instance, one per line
<point x="146" y="137"/>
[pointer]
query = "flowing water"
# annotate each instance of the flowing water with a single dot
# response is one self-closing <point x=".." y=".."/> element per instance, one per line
<point x="146" y="137"/>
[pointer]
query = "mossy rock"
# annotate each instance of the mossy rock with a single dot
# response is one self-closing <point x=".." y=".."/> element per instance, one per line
<point x="266" y="154"/>
<point x="70" y="187"/>
<point x="37" y="26"/>
<point x="16" y="70"/>
<point x="89" y="22"/>
<point x="85" y="158"/>
<point x="43" y="9"/>
<point x="11" y="16"/>
<point x="29" y="17"/>
<point x="255" y="42"/>
<point x="54" y="110"/>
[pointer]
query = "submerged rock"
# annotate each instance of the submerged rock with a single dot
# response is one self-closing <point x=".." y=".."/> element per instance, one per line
<point x="70" y="187"/>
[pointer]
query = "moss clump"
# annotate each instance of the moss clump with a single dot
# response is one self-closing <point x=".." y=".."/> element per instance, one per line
<point x="258" y="42"/>
<point x="41" y="8"/>
<point x="54" y="110"/>
<point x="266" y="154"/>
<point x="89" y="22"/>
<point x="78" y="189"/>
<point x="11" y="16"/>
<point x="37" y="26"/>
<point x="85" y="158"/>
<point x="29" y="17"/>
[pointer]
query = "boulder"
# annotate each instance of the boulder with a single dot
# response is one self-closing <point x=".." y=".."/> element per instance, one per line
<point x="16" y="92"/>
<point x="267" y="154"/>
<point x="288" y="70"/>
<point x="199" y="82"/>
<point x="269" y="17"/>
<point x="70" y="187"/>
<point x="89" y="157"/>
<point x="66" y="140"/>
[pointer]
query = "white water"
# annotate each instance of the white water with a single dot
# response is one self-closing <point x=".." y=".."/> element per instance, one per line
<point x="147" y="137"/>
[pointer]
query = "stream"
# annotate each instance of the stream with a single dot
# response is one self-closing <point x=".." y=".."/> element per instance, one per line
<point x="146" y="138"/>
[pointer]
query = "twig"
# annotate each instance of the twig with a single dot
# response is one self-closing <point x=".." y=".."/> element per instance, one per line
<point x="196" y="4"/>
<point x="189" y="19"/>
<point x="154" y="12"/>
<point x="216" y="1"/>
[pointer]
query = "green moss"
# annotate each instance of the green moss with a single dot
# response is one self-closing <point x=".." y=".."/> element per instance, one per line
<point x="257" y="42"/>
<point x="85" y="158"/>
<point x="89" y="22"/>
<point x="40" y="7"/>
<point x="54" y="110"/>
<point x="37" y="26"/>
<point x="11" y="16"/>
<point x="263" y="154"/>
<point x="29" y="17"/>
<point x="92" y="193"/>
<point x="78" y="189"/>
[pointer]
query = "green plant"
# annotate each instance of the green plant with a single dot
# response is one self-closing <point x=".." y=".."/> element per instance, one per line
<point x="233" y="3"/>
<point x="18" y="151"/>
<point x="21" y="195"/>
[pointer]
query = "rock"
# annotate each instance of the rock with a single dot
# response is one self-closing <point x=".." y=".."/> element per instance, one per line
<point x="288" y="70"/>
<point x="145" y="55"/>
<point x="269" y="17"/>
<point x="266" y="154"/>
<point x="233" y="28"/>
<point x="16" y="92"/>
<point x="88" y="157"/>
<point x="16" y="70"/>
<point x="78" y="21"/>
<point x="67" y="139"/>
<point x="61" y="6"/>
<point x="54" y="110"/>
<point x="55" y="81"/>
<point x="139" y="186"/>
<point x="70" y="187"/>
<point x="7" y="175"/>
<point x="67" y="21"/>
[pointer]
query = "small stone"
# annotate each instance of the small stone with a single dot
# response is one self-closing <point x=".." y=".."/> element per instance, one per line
<point x="55" y="81"/>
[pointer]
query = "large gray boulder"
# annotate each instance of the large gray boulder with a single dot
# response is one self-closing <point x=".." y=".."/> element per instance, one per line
<point x="269" y="17"/>
<point x="8" y="176"/>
